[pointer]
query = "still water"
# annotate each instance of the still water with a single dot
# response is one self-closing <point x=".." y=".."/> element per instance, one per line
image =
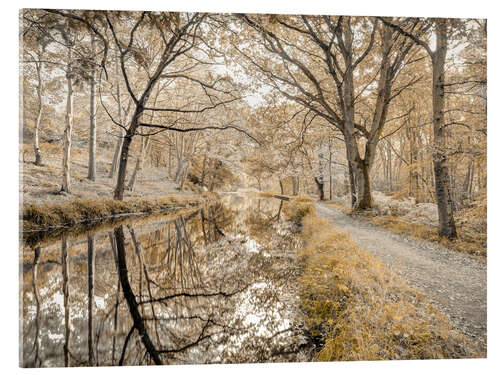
<point x="216" y="285"/>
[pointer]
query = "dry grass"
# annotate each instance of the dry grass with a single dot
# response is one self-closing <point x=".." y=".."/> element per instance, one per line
<point x="471" y="240"/>
<point x="466" y="242"/>
<point x="358" y="308"/>
<point x="46" y="216"/>
<point x="82" y="230"/>
<point x="340" y="207"/>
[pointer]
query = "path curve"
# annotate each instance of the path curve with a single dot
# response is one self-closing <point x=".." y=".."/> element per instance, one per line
<point x="453" y="281"/>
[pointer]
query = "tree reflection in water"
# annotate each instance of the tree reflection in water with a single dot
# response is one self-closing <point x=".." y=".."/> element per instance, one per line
<point x="212" y="286"/>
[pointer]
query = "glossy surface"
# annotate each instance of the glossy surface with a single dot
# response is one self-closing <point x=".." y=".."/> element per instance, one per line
<point x="217" y="285"/>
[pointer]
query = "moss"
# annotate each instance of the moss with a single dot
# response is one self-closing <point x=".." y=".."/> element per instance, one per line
<point x="359" y="309"/>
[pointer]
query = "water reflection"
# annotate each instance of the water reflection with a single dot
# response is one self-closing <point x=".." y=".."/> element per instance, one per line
<point x="212" y="286"/>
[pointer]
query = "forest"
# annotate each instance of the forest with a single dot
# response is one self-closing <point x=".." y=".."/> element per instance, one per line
<point x="177" y="143"/>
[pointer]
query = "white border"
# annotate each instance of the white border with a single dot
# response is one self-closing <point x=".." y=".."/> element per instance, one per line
<point x="9" y="138"/>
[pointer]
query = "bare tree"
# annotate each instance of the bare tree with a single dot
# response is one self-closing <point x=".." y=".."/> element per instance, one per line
<point x="324" y="40"/>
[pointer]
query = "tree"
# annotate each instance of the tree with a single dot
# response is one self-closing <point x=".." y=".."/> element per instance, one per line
<point x="92" y="115"/>
<point x="122" y="115"/>
<point x="38" y="61"/>
<point x="178" y="34"/>
<point x="307" y="50"/>
<point x="447" y="226"/>
<point x="36" y="45"/>
<point x="90" y="296"/>
<point x="65" y="187"/>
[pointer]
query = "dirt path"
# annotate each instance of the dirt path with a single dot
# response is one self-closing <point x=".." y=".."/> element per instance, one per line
<point x="454" y="282"/>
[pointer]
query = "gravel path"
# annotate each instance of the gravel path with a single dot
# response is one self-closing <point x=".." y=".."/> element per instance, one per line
<point x="454" y="282"/>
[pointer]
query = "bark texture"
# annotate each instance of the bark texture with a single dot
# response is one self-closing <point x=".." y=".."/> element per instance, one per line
<point x="92" y="130"/>
<point x="66" y="181"/>
<point x="39" y="91"/>
<point x="447" y="226"/>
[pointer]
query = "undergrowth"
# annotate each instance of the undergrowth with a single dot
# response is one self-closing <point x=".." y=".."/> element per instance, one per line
<point x="359" y="309"/>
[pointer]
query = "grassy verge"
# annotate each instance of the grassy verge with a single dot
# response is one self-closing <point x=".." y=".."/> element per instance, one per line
<point x="358" y="308"/>
<point x="466" y="242"/>
<point x="44" y="217"/>
<point x="469" y="241"/>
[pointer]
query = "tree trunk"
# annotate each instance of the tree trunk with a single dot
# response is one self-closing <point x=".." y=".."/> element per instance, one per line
<point x="389" y="165"/>
<point x="361" y="167"/>
<point x="134" y="174"/>
<point x="184" y="173"/>
<point x="67" y="131"/>
<point x="471" y="189"/>
<point x="320" y="185"/>
<point x="169" y="161"/>
<point x="204" y="165"/>
<point x="138" y="164"/>
<point x="352" y="183"/>
<point x="346" y="181"/>
<point x="118" y="146"/>
<point x="127" y="140"/>
<point x="91" y="268"/>
<point x="114" y="164"/>
<point x="360" y="177"/>
<point x="36" y="146"/>
<point x="143" y="152"/>
<point x="330" y="168"/>
<point x="92" y="115"/>
<point x="360" y="189"/>
<point x="117" y="296"/>
<point x="295" y="185"/>
<point x="39" y="89"/>
<point x="413" y="175"/>
<point x="320" y="179"/>
<point x="178" y="172"/>
<point x="38" y="154"/>
<point x="36" y="295"/>
<point x="130" y="297"/>
<point x="122" y="169"/>
<point x="364" y="188"/>
<point x="441" y="172"/>
<point x="65" y="290"/>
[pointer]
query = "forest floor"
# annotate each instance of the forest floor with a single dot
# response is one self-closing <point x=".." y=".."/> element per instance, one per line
<point x="454" y="282"/>
<point x="43" y="206"/>
<point x="41" y="184"/>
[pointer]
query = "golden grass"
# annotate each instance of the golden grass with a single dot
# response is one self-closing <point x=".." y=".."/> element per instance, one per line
<point x="360" y="309"/>
<point x="82" y="230"/>
<point x="466" y="242"/>
<point x="341" y="207"/>
<point x="469" y="240"/>
<point x="42" y="217"/>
